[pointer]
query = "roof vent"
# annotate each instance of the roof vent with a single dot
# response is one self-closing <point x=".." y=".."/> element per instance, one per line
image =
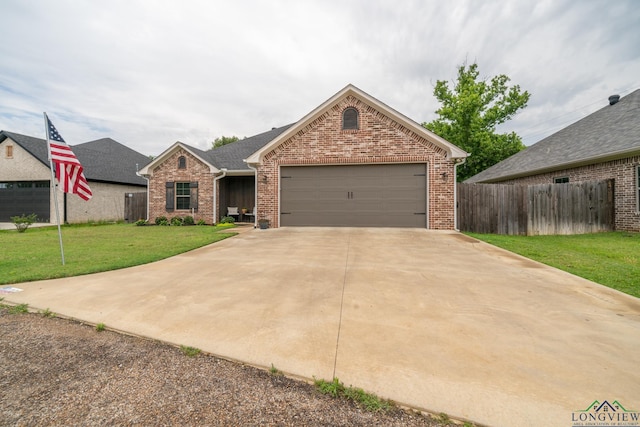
<point x="613" y="99"/>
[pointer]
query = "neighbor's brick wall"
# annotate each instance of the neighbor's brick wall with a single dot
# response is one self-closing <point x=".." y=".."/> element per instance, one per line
<point x="624" y="173"/>
<point x="196" y="171"/>
<point x="379" y="140"/>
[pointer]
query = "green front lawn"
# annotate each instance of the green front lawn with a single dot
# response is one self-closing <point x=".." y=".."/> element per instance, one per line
<point x="611" y="259"/>
<point x="35" y="254"/>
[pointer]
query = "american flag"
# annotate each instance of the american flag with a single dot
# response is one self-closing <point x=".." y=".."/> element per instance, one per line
<point x="69" y="171"/>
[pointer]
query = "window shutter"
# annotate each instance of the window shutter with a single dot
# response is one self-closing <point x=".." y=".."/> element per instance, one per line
<point x="193" y="195"/>
<point x="170" y="196"/>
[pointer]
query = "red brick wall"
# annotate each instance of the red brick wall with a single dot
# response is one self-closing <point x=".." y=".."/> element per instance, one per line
<point x="378" y="140"/>
<point x="196" y="171"/>
<point x="623" y="171"/>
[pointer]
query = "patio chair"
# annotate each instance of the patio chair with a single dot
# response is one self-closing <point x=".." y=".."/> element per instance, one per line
<point x="252" y="214"/>
<point x="233" y="211"/>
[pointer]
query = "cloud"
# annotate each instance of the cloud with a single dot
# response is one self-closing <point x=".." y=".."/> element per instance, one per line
<point x="148" y="73"/>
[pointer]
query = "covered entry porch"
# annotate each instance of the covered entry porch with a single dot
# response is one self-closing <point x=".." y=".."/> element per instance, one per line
<point x="237" y="191"/>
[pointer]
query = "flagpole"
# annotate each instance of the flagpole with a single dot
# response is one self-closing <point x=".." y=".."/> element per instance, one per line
<point x="53" y="183"/>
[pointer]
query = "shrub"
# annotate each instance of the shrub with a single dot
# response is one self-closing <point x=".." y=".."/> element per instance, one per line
<point x="22" y="222"/>
<point x="188" y="220"/>
<point x="161" y="220"/>
<point x="201" y="222"/>
<point x="176" y="220"/>
<point x="141" y="222"/>
<point x="227" y="220"/>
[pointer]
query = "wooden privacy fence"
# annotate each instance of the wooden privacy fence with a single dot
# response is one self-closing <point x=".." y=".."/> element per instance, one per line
<point x="135" y="206"/>
<point x="571" y="208"/>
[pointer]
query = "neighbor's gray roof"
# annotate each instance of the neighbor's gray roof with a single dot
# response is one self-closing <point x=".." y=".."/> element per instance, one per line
<point x="103" y="160"/>
<point x="610" y="133"/>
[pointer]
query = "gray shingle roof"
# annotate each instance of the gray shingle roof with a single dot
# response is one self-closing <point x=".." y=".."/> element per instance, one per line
<point x="609" y="133"/>
<point x="103" y="160"/>
<point x="231" y="156"/>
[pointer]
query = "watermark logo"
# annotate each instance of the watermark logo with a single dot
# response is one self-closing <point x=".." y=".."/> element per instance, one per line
<point x="605" y="414"/>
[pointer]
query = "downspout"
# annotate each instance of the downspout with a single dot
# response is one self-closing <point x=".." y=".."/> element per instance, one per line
<point x="255" y="196"/>
<point x="215" y="199"/>
<point x="147" y="179"/>
<point x="455" y="193"/>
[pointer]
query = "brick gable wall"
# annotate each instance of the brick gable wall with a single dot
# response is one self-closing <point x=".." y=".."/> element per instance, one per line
<point x="623" y="171"/>
<point x="167" y="171"/>
<point x="378" y="140"/>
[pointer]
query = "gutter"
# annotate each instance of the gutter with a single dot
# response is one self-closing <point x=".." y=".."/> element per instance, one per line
<point x="455" y="192"/>
<point x="147" y="179"/>
<point x="255" y="196"/>
<point x="215" y="187"/>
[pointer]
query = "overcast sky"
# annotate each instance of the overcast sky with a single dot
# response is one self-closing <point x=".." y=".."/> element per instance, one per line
<point x="149" y="73"/>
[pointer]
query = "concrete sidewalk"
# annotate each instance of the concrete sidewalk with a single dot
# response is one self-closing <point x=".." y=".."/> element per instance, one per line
<point x="434" y="320"/>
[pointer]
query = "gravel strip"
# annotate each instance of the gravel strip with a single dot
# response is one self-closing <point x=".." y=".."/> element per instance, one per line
<point x="61" y="372"/>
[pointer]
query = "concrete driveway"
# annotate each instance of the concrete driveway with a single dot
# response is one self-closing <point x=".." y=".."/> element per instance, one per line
<point x="434" y="320"/>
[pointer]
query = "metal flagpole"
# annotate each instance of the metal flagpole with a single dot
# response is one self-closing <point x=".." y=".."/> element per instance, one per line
<point x="53" y="183"/>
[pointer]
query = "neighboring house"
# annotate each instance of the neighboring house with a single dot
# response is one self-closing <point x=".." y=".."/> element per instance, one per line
<point x="25" y="180"/>
<point x="353" y="161"/>
<point x="603" y="145"/>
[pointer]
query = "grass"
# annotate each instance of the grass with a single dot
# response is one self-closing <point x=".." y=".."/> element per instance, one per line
<point x="17" y="309"/>
<point x="91" y="248"/>
<point x="336" y="389"/>
<point x="275" y="371"/>
<point x="190" y="351"/>
<point x="611" y="259"/>
<point x="100" y="327"/>
<point x="46" y="313"/>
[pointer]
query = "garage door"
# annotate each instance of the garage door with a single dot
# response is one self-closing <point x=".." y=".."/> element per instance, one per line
<point x="354" y="196"/>
<point x="24" y="197"/>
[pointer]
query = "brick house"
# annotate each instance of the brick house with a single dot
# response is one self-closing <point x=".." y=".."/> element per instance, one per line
<point x="603" y="145"/>
<point x="25" y="180"/>
<point x="353" y="161"/>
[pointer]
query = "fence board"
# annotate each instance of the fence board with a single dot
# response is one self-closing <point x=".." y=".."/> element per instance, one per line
<point x="569" y="208"/>
<point x="135" y="206"/>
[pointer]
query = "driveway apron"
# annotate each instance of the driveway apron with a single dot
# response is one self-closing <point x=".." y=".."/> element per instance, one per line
<point x="434" y="320"/>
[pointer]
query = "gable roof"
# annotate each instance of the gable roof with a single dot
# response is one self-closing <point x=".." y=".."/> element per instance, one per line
<point x="229" y="156"/>
<point x="350" y="90"/>
<point x="103" y="160"/>
<point x="610" y="133"/>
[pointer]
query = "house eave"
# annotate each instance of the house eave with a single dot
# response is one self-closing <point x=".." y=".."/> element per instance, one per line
<point x="452" y="151"/>
<point x="147" y="170"/>
<point x="566" y="165"/>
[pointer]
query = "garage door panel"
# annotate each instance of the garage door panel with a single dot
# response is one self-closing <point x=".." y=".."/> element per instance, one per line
<point x="24" y="197"/>
<point x="354" y="195"/>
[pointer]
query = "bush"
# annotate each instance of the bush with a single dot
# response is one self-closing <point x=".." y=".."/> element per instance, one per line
<point x="161" y="220"/>
<point x="227" y="220"/>
<point x="23" y="221"/>
<point x="188" y="220"/>
<point x="201" y="222"/>
<point x="176" y="220"/>
<point x="141" y="222"/>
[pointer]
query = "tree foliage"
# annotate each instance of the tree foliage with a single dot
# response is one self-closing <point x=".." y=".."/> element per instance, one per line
<point x="469" y="114"/>
<point x="223" y="140"/>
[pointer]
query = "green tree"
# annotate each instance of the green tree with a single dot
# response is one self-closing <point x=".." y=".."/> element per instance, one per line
<point x="223" y="140"/>
<point x="469" y="114"/>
